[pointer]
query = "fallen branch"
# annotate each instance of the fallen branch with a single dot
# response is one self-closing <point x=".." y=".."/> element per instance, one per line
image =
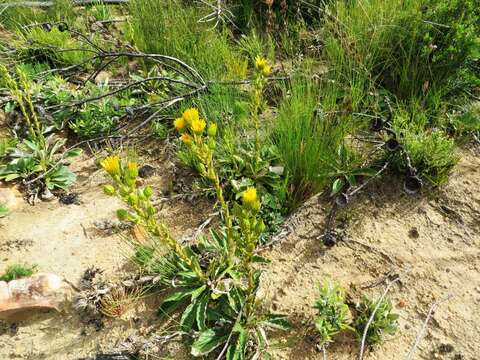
<point x="421" y="333"/>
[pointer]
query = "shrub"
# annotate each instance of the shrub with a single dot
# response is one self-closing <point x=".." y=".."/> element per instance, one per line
<point x="431" y="152"/>
<point x="332" y="314"/>
<point x="17" y="271"/>
<point x="384" y="321"/>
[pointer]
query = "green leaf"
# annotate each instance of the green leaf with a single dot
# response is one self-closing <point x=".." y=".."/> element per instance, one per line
<point x="202" y="312"/>
<point x="173" y="302"/>
<point x="260" y="259"/>
<point x="237" y="351"/>
<point x="364" y="172"/>
<point x="188" y="317"/>
<point x="277" y="321"/>
<point x="208" y="341"/>
<point x="73" y="153"/>
<point x="11" y="177"/>
<point x="3" y="211"/>
<point x="337" y="185"/>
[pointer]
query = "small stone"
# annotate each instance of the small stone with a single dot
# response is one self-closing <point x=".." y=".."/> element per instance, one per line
<point x="459" y="357"/>
<point x="70" y="198"/>
<point x="146" y="171"/>
<point x="47" y="195"/>
<point x="413" y="233"/>
<point x="445" y="348"/>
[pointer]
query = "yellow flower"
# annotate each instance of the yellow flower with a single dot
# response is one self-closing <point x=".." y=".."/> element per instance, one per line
<point x="198" y="125"/>
<point x="250" y="196"/>
<point x="186" y="139"/>
<point x="111" y="164"/>
<point x="266" y="70"/>
<point x="191" y="115"/>
<point x="180" y="124"/>
<point x="260" y="63"/>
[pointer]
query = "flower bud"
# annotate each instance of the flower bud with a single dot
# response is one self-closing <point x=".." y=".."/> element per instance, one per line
<point x="212" y="130"/>
<point x="151" y="211"/>
<point x="109" y="190"/>
<point x="148" y="192"/>
<point x="122" y="214"/>
<point x="132" y="200"/>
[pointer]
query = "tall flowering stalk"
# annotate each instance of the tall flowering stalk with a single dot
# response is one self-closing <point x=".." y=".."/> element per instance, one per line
<point x="202" y="145"/>
<point x="260" y="76"/>
<point x="24" y="101"/>
<point x="251" y="228"/>
<point x="142" y="211"/>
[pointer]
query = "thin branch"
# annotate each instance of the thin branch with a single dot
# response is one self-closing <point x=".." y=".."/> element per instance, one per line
<point x="421" y="333"/>
<point x="370" y="320"/>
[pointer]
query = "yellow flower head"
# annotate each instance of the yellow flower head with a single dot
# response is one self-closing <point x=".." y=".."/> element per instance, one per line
<point x="261" y="63"/>
<point x="198" y="126"/>
<point x="180" y="124"/>
<point x="186" y="139"/>
<point x="249" y="196"/>
<point x="111" y="164"/>
<point x="266" y="70"/>
<point x="191" y="115"/>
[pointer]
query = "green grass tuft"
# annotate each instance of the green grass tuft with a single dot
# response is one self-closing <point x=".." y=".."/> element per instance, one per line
<point x="17" y="271"/>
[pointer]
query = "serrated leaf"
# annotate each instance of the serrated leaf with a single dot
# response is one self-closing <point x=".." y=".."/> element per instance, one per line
<point x="238" y="349"/>
<point x="207" y="341"/>
<point x="202" y="312"/>
<point x="173" y="302"/>
<point x="276" y="321"/>
<point x="188" y="317"/>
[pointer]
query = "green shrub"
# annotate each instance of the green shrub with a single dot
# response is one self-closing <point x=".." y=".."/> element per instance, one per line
<point x="332" y="316"/>
<point x="384" y="321"/>
<point x="431" y="151"/>
<point x="17" y="271"/>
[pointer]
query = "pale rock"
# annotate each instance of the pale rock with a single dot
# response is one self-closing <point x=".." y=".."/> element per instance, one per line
<point x="40" y="291"/>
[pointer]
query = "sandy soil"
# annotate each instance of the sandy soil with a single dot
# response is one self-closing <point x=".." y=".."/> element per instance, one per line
<point x="432" y="241"/>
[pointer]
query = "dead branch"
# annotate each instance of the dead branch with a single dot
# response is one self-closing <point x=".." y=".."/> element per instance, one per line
<point x="421" y="333"/>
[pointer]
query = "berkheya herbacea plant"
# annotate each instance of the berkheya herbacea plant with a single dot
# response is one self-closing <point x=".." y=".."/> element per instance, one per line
<point x="213" y="282"/>
<point x="35" y="154"/>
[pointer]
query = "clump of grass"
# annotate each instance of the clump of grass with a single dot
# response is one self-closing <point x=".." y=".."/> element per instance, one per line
<point x="17" y="271"/>
<point x="310" y="141"/>
<point x="412" y="49"/>
<point x="384" y="321"/>
<point x="332" y="314"/>
<point x="171" y="28"/>
<point x="43" y="46"/>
